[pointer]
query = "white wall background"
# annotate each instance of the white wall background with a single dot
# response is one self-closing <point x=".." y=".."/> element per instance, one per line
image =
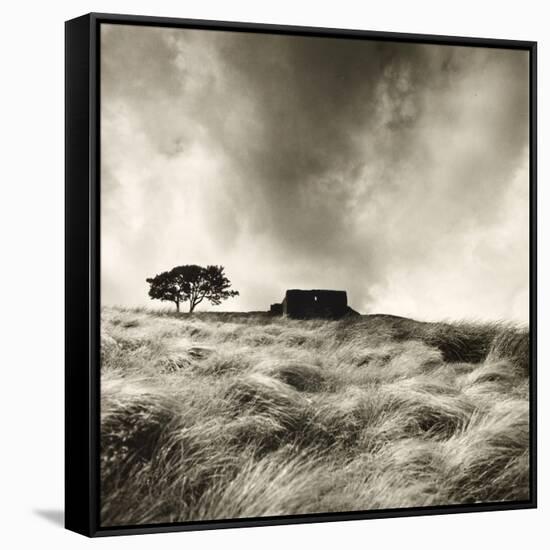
<point x="31" y="278"/>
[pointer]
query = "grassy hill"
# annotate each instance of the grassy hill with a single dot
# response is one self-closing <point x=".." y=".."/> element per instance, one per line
<point x="216" y="416"/>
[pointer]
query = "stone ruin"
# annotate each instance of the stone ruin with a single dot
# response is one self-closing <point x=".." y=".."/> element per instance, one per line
<point x="308" y="304"/>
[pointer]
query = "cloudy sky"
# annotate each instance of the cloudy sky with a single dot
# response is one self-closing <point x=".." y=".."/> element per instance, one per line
<point x="397" y="172"/>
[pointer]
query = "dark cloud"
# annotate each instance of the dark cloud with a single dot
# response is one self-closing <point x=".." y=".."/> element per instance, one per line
<point x="316" y="162"/>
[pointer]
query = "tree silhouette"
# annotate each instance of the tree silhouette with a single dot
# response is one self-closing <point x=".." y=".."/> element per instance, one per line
<point x="193" y="284"/>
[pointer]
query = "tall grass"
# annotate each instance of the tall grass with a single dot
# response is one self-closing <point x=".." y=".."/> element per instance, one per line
<point x="216" y="416"/>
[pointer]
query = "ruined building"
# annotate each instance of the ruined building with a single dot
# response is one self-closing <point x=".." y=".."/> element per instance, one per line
<point x="306" y="304"/>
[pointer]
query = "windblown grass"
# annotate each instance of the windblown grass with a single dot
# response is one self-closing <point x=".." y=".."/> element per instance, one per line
<point x="215" y="416"/>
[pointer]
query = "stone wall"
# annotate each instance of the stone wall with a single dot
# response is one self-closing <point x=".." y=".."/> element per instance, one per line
<point x="303" y="304"/>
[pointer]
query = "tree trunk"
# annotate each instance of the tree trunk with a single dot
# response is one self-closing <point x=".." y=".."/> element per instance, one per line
<point x="191" y="307"/>
<point x="178" y="307"/>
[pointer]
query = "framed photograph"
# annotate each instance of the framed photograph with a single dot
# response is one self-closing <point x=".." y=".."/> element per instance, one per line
<point x="300" y="274"/>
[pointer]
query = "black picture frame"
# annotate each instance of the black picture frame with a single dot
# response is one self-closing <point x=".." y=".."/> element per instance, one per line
<point x="82" y="274"/>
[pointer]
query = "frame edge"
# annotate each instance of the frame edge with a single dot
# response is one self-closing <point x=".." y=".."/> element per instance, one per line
<point x="79" y="471"/>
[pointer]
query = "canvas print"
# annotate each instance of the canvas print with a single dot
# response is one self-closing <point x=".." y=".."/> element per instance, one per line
<point x="314" y="275"/>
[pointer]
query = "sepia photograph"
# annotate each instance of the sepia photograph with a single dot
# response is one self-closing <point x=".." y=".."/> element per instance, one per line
<point x="314" y="275"/>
